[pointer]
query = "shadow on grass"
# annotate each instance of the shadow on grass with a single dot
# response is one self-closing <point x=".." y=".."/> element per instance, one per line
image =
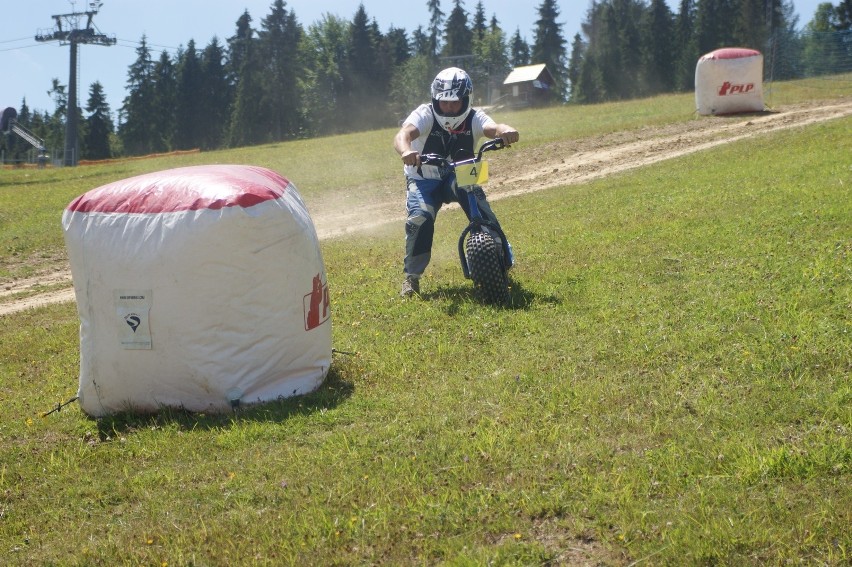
<point x="330" y="394"/>
<point x="751" y="114"/>
<point x="520" y="298"/>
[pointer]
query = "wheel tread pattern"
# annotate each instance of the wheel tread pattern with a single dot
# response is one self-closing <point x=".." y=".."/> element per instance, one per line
<point x="486" y="268"/>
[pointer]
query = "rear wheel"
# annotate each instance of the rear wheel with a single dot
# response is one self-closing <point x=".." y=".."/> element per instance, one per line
<point x="485" y="262"/>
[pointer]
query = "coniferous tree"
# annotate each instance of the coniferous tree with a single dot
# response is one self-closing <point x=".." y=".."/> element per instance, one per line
<point x="139" y="109"/>
<point x="395" y="43"/>
<point x="713" y="25"/>
<point x="607" y="51"/>
<point x="590" y="82"/>
<point x="549" y="46"/>
<point x="420" y="43"/>
<point x="99" y="126"/>
<point x="164" y="103"/>
<point x="458" y="38"/>
<point x="245" y="125"/>
<point x="436" y="20"/>
<point x="280" y="37"/>
<point x="751" y="25"/>
<point x="706" y="19"/>
<point x="248" y="124"/>
<point x="658" y="49"/>
<point x="58" y="121"/>
<point x="843" y="16"/>
<point x="520" y="50"/>
<point x="479" y="21"/>
<point x="238" y="48"/>
<point x="616" y="47"/>
<point x="54" y="124"/>
<point x="359" y="101"/>
<point x="41" y="124"/>
<point x="375" y="32"/>
<point x="31" y="121"/>
<point x="214" y="97"/>
<point x="575" y="65"/>
<point x="758" y="22"/>
<point x="24" y="113"/>
<point x="631" y="80"/>
<point x="189" y="113"/>
<point x="588" y="87"/>
<point x="687" y="47"/>
<point x="781" y="16"/>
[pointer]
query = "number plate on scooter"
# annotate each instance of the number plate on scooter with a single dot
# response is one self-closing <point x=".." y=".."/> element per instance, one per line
<point x="472" y="173"/>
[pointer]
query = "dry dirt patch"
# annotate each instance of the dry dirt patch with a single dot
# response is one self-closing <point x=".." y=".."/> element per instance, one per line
<point x="552" y="165"/>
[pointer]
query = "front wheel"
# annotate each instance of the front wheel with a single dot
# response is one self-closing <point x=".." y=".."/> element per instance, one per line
<point x="484" y="259"/>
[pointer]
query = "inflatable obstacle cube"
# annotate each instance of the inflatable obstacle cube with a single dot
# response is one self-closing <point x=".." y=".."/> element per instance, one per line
<point x="198" y="288"/>
<point x="729" y="81"/>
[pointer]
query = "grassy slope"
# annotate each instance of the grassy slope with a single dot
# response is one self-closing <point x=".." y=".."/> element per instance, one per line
<point x="673" y="386"/>
<point x="31" y="201"/>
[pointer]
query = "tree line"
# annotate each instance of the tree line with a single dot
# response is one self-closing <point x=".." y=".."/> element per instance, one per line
<point x="634" y="48"/>
<point x="279" y="80"/>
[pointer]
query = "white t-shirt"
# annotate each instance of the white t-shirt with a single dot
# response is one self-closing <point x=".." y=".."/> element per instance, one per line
<point x="423" y="119"/>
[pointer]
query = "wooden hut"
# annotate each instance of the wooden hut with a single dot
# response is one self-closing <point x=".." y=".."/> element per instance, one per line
<point x="530" y="85"/>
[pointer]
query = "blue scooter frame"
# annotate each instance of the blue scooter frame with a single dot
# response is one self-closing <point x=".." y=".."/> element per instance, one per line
<point x="468" y="178"/>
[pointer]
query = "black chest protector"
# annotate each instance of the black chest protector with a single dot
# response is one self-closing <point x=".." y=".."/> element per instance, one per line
<point x="456" y="145"/>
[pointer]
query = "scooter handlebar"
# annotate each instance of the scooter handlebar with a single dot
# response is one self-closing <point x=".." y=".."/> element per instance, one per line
<point x="438" y="159"/>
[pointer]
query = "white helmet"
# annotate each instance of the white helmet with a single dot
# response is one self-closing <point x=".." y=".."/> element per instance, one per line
<point x="451" y="84"/>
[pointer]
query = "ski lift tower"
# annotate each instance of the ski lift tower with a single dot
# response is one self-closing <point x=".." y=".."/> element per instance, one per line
<point x="69" y="32"/>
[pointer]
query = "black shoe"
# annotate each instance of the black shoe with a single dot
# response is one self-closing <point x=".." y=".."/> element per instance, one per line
<point x="410" y="286"/>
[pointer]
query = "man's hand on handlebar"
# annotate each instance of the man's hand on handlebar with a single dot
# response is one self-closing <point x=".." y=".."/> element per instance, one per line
<point x="510" y="136"/>
<point x="411" y="157"/>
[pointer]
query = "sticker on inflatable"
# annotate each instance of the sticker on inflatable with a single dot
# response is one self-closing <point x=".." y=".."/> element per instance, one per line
<point x="132" y="308"/>
<point x="317" y="304"/>
<point x="472" y="174"/>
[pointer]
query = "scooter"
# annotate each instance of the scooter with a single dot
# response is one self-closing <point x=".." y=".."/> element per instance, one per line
<point x="484" y="250"/>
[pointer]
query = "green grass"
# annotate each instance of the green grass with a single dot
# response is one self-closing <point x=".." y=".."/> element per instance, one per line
<point x="820" y="88"/>
<point x="671" y="387"/>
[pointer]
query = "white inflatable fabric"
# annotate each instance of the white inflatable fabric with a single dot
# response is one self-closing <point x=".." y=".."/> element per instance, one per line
<point x="198" y="288"/>
<point x="728" y="81"/>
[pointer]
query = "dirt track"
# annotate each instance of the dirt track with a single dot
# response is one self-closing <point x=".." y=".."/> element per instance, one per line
<point x="556" y="164"/>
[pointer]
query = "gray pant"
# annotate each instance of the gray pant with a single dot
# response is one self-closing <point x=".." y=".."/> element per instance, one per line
<point x="424" y="199"/>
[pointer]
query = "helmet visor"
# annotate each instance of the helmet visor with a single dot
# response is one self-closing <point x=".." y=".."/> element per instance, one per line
<point x="451" y="107"/>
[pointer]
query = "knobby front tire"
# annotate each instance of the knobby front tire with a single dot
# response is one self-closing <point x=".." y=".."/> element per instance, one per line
<point x="484" y="259"/>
